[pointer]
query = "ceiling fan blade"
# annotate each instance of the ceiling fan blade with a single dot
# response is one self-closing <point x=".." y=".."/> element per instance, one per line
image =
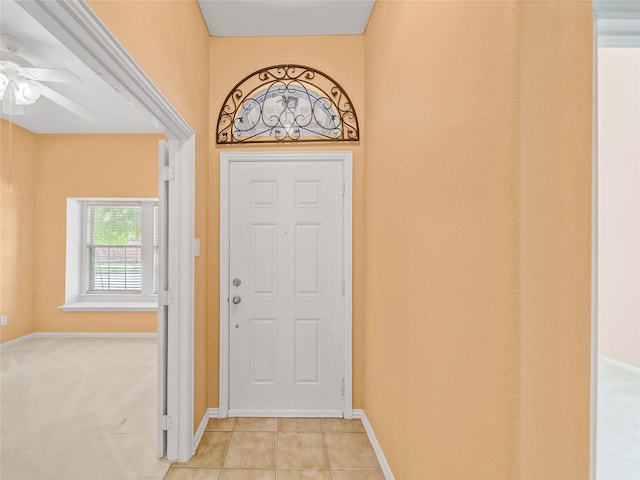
<point x="52" y="75"/>
<point x="67" y="103"/>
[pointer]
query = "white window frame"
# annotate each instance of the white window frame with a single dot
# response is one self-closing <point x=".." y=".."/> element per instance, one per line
<point x="76" y="276"/>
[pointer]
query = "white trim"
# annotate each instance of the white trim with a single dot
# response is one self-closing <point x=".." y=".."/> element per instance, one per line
<point x="209" y="413"/>
<point x="347" y="264"/>
<point x="286" y="413"/>
<point x="110" y="307"/>
<point x="15" y="341"/>
<point x="76" y="26"/>
<point x="95" y="334"/>
<point x="346" y="158"/>
<point x="384" y="465"/>
<point x="612" y="362"/>
<point x="593" y="424"/>
<point x="182" y="285"/>
<point x="223" y="402"/>
<point x="29" y="336"/>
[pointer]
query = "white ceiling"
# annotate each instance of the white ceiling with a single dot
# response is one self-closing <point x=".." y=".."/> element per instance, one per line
<point x="234" y="18"/>
<point x="42" y="49"/>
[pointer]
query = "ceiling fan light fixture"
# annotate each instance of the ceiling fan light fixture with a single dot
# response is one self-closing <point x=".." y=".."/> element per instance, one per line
<point x="28" y="93"/>
<point x="4" y="82"/>
<point x="9" y="101"/>
<point x="20" y="82"/>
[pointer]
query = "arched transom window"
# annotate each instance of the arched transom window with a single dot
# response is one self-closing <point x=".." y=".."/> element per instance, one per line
<point x="287" y="103"/>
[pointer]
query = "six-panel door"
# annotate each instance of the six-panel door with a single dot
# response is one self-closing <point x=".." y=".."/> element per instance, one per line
<point x="286" y="259"/>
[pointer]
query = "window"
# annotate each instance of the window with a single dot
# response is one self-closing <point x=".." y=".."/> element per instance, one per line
<point x="281" y="109"/>
<point x="287" y="103"/>
<point x="112" y="254"/>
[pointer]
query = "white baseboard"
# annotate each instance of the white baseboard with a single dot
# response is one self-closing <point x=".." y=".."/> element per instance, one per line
<point x="15" y="341"/>
<point x="24" y="338"/>
<point x="210" y="413"/>
<point x="386" y="469"/>
<point x="618" y="364"/>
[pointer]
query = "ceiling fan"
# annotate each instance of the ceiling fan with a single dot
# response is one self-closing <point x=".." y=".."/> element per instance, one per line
<point x="21" y="82"/>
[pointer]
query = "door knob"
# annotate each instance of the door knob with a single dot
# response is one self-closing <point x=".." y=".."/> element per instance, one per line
<point x="236" y="299"/>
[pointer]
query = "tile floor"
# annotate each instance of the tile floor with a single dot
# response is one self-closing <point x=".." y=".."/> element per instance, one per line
<point x="281" y="449"/>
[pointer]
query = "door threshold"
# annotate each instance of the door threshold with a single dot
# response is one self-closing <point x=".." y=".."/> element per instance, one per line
<point x="287" y="413"/>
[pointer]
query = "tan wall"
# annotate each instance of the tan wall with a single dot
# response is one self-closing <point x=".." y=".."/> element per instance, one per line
<point x="441" y="345"/>
<point x="556" y="122"/>
<point x="170" y="42"/>
<point x="18" y="169"/>
<point x="340" y="57"/>
<point x="478" y="237"/>
<point x="84" y="166"/>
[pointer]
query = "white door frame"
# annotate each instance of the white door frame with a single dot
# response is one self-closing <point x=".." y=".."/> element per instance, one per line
<point x="226" y="158"/>
<point x="76" y="25"/>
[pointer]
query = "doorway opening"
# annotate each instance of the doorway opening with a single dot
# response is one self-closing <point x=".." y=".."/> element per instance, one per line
<point x="615" y="412"/>
<point x="78" y="28"/>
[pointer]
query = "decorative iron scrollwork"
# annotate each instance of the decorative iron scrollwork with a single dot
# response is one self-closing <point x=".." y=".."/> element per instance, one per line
<point x="287" y="103"/>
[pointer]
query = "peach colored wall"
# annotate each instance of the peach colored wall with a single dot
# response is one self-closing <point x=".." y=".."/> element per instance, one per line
<point x="80" y="166"/>
<point x="441" y="339"/>
<point x="18" y="169"/>
<point x="340" y="57"/>
<point x="170" y="42"/>
<point x="619" y="204"/>
<point x="477" y="227"/>
<point x="555" y="231"/>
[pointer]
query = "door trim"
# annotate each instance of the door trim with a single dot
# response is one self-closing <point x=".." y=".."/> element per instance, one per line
<point x="346" y="159"/>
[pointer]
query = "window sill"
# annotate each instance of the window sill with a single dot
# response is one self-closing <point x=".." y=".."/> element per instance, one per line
<point x="110" y="307"/>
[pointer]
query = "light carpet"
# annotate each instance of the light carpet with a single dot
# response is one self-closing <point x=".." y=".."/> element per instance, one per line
<point x="79" y="408"/>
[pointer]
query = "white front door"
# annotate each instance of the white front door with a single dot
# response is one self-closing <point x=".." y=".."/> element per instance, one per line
<point x="286" y="288"/>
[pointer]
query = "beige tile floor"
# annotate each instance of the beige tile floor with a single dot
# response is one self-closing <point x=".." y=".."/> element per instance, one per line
<point x="281" y="449"/>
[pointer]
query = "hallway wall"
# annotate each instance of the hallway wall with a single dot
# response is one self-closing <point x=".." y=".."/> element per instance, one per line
<point x="477" y="228"/>
<point x="441" y="229"/>
<point x="18" y="167"/>
<point x="556" y="83"/>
